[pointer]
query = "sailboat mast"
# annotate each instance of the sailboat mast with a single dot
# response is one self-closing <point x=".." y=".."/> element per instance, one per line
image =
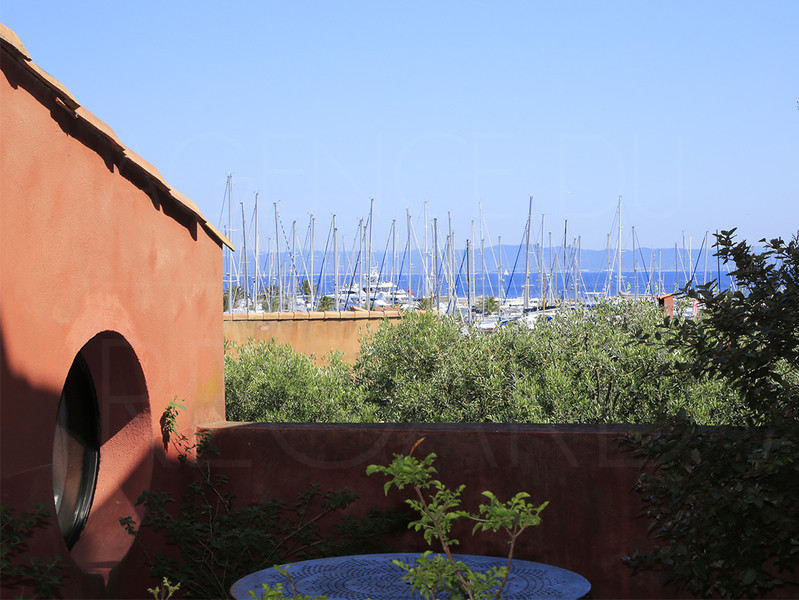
<point x="255" y="282"/>
<point x="468" y="281"/>
<point x="552" y="275"/>
<point x="618" y="255"/>
<point x="293" y="269"/>
<point x="635" y="267"/>
<point x="269" y="289"/>
<point x="369" y="258"/>
<point x="436" y="286"/>
<point x="277" y="261"/>
<point x="335" y="264"/>
<point x="483" y="266"/>
<point x="410" y="251"/>
<point x="452" y="293"/>
<point x="230" y="233"/>
<point x="526" y="285"/>
<point x="718" y="265"/>
<point x="470" y="274"/>
<point x="499" y="279"/>
<point x="394" y="261"/>
<point x="579" y="266"/>
<point x="244" y="258"/>
<point x="565" y="233"/>
<point x="363" y="257"/>
<point x="426" y="259"/>
<point x="448" y="271"/>
<point x="310" y="261"/>
<point x="609" y="275"/>
<point x="542" y="286"/>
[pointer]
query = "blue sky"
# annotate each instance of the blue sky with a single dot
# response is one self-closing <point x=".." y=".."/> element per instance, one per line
<point x="686" y="109"/>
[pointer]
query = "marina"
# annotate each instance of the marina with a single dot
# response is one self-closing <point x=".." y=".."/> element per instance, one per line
<point x="479" y="281"/>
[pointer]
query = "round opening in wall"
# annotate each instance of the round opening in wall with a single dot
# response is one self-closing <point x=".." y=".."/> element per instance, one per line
<point x="102" y="451"/>
<point x="76" y="451"/>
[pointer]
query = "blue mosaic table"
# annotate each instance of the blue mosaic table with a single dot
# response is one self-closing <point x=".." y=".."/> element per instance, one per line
<point x="375" y="577"/>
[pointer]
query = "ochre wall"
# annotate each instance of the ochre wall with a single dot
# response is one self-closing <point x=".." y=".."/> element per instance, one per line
<point x="314" y="333"/>
<point x="591" y="522"/>
<point x="90" y="244"/>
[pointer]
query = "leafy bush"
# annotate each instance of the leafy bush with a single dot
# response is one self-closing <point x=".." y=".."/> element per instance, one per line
<point x="18" y="569"/>
<point x="425" y="369"/>
<point x="749" y="339"/>
<point x="723" y="508"/>
<point x="266" y="381"/>
<point x="405" y="357"/>
<point x="582" y="366"/>
<point x="723" y="502"/>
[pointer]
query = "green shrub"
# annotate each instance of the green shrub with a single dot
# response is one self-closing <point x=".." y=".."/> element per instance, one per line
<point x="19" y="569"/>
<point x="425" y="369"/>
<point x="723" y="508"/>
<point x="582" y="366"/>
<point x="723" y="503"/>
<point x="266" y="381"/>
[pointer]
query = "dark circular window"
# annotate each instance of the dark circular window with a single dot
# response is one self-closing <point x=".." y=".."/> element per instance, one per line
<point x="76" y="451"/>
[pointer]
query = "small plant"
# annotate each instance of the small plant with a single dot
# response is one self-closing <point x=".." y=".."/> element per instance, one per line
<point x="169" y="430"/>
<point x="42" y="573"/>
<point x="165" y="590"/>
<point x="438" y="508"/>
<point x="325" y="303"/>
<point x="276" y="593"/>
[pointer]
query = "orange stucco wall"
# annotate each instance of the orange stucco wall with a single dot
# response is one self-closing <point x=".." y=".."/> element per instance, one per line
<point x="592" y="521"/>
<point x="91" y="244"/>
<point x="314" y="333"/>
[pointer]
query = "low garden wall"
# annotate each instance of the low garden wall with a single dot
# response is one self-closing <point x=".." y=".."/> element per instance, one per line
<point x="314" y="333"/>
<point x="590" y="524"/>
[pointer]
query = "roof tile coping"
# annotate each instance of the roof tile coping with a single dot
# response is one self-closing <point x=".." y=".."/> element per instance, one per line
<point x="11" y="42"/>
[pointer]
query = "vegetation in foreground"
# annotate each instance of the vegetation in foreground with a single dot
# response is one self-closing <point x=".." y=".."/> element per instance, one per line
<point x="582" y="366"/>
<point x="438" y="507"/>
<point x="722" y="502"/>
<point x="216" y="540"/>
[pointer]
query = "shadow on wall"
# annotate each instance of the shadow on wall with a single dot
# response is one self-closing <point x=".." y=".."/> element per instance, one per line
<point x="86" y="471"/>
<point x="591" y="522"/>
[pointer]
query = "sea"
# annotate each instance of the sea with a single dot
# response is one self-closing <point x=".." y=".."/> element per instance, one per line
<point x="584" y="285"/>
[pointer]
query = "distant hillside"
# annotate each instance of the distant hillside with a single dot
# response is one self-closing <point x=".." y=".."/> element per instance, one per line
<point x="512" y="260"/>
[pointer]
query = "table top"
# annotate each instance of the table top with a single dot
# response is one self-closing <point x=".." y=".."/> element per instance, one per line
<point x="375" y="577"/>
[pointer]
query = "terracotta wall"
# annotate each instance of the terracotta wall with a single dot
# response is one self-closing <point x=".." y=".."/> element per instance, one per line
<point x="97" y="254"/>
<point x="309" y="333"/>
<point x="591" y="522"/>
